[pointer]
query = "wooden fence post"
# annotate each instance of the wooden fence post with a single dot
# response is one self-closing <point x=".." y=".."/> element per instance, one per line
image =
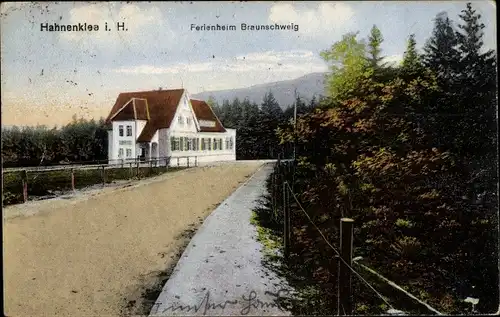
<point x="73" y="179"/>
<point x="103" y="177"/>
<point x="187" y="161"/>
<point x="344" y="305"/>
<point x="286" y="222"/>
<point x="24" y="176"/>
<point x="137" y="169"/>
<point x="273" y="195"/>
<point x="177" y="161"/>
<point x="130" y="170"/>
<point x="196" y="161"/>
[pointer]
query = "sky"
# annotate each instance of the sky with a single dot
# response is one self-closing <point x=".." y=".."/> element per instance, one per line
<point x="46" y="77"/>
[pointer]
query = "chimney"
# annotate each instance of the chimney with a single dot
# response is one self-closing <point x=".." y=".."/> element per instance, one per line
<point x="159" y="88"/>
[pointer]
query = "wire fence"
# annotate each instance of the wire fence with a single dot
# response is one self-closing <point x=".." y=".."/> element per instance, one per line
<point x="22" y="185"/>
<point x="284" y="173"/>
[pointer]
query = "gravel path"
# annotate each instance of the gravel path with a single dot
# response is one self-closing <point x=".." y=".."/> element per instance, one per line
<point x="97" y="254"/>
<point x="220" y="272"/>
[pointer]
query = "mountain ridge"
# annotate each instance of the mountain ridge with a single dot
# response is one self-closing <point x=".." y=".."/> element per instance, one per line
<point x="307" y="86"/>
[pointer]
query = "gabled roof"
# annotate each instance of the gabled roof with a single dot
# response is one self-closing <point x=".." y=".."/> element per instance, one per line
<point x="204" y="112"/>
<point x="158" y="108"/>
<point x="159" y="104"/>
<point x="136" y="109"/>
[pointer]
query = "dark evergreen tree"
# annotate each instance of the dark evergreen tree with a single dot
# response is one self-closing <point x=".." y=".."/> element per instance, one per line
<point x="412" y="61"/>
<point x="312" y="104"/>
<point x="441" y="54"/>
<point x="442" y="57"/>
<point x="271" y="117"/>
<point x="478" y="88"/>
<point x="374" y="49"/>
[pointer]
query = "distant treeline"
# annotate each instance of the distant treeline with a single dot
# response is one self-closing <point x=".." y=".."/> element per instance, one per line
<point x="256" y="125"/>
<point x="78" y="141"/>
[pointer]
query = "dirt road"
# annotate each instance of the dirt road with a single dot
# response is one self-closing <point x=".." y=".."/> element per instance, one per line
<point x="94" y="256"/>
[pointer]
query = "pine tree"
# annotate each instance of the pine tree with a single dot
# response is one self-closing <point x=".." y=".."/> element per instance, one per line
<point x="441" y="54"/>
<point x="412" y="61"/>
<point x="237" y="113"/>
<point x="271" y="116"/>
<point x="443" y="59"/>
<point x="478" y="83"/>
<point x="250" y="112"/>
<point x="312" y="104"/>
<point x="375" y="40"/>
<point x="470" y="42"/>
<point x="301" y="106"/>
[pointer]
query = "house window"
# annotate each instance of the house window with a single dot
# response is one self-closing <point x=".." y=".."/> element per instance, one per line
<point x="129" y="130"/>
<point x="193" y="144"/>
<point x="120" y="152"/>
<point x="175" y="143"/>
<point x="231" y="143"/>
<point x="129" y="152"/>
<point x="188" y="121"/>
<point x="215" y="144"/>
<point x="227" y="143"/>
<point x="207" y="123"/>
<point x="180" y="120"/>
<point x="120" y="129"/>
<point x="189" y="144"/>
<point x="181" y="144"/>
<point x="203" y="144"/>
<point x="220" y="144"/>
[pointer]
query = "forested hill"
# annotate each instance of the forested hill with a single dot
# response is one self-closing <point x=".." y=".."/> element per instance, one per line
<point x="284" y="91"/>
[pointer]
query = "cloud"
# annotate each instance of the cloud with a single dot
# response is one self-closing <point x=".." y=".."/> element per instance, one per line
<point x="394" y="59"/>
<point x="314" y="22"/>
<point x="142" y="24"/>
<point x="297" y="61"/>
<point x="272" y="56"/>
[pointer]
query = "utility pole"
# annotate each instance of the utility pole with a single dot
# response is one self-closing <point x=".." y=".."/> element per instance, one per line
<point x="294" y="124"/>
<point x="294" y="138"/>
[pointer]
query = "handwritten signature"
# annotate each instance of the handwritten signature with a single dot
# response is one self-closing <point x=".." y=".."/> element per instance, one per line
<point x="246" y="302"/>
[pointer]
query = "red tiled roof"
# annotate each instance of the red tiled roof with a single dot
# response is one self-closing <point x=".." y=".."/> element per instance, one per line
<point x="158" y="107"/>
<point x="204" y="112"/>
<point x="134" y="109"/>
<point x="159" y="104"/>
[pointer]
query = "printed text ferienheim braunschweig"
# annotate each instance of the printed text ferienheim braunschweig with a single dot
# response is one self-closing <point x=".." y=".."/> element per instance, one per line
<point x="245" y="27"/>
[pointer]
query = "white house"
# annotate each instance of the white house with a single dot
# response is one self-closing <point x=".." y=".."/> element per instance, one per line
<point x="167" y="123"/>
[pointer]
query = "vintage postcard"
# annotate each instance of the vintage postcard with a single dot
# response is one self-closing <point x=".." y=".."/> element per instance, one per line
<point x="250" y="158"/>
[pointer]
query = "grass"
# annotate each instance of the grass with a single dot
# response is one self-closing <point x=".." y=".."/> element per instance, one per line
<point x="47" y="184"/>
